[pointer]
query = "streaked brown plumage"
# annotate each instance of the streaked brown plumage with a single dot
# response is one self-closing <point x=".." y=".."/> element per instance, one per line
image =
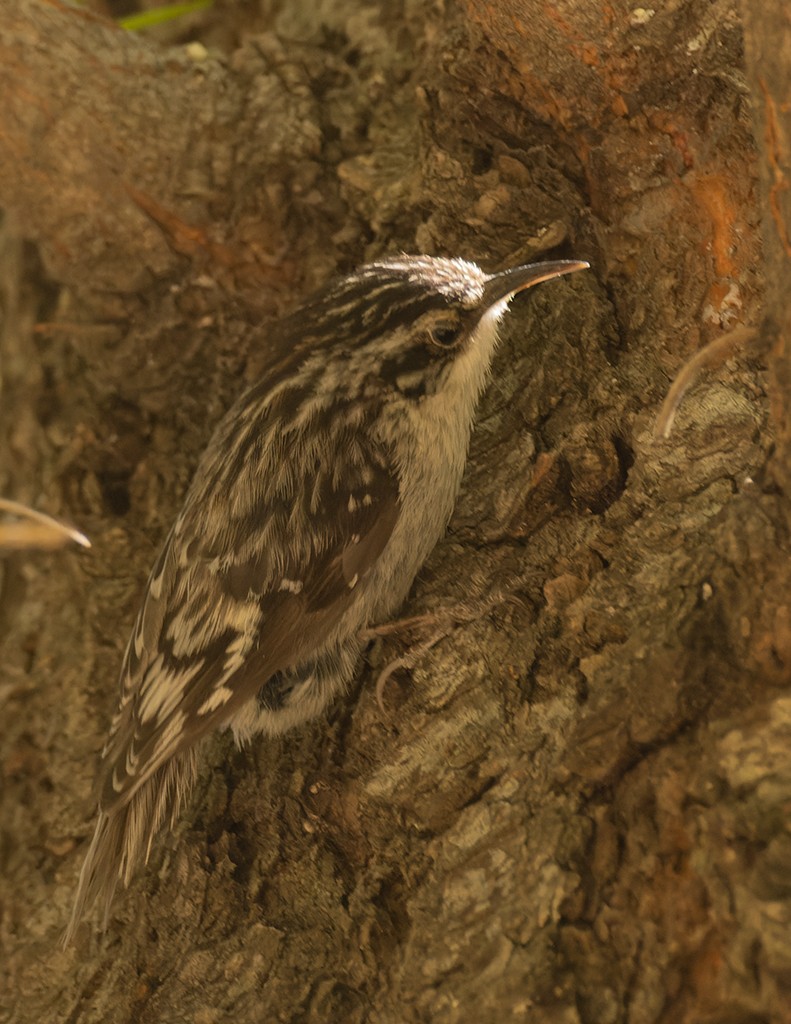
<point x="319" y="497"/>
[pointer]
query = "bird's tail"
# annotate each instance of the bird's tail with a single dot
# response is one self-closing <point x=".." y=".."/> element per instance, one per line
<point x="124" y="835"/>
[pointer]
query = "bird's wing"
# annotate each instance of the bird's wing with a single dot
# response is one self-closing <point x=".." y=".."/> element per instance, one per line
<point x="227" y="607"/>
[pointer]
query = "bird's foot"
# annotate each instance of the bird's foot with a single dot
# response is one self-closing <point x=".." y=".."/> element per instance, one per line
<point x="428" y="629"/>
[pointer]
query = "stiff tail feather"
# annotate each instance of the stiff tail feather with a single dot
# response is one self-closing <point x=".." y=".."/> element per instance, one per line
<point x="124" y="835"/>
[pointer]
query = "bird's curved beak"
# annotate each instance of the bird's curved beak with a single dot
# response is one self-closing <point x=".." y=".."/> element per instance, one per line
<point x="507" y="283"/>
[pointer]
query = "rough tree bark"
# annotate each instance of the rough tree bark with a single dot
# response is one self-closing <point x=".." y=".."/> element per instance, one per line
<point x="575" y="808"/>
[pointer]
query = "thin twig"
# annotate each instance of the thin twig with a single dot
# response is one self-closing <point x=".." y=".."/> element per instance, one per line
<point x="708" y="358"/>
<point x="37" y="531"/>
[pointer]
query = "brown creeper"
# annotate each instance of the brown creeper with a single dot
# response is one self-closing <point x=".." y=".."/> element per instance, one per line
<point x="319" y="497"/>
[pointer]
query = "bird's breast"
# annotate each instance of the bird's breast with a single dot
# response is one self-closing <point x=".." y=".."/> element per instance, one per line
<point x="432" y="447"/>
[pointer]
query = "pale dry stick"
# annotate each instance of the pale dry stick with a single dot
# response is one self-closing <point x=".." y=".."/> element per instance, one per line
<point x="38" y="531"/>
<point x="709" y="357"/>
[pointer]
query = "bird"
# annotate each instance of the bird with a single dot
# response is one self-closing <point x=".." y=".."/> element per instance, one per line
<point x="318" y="499"/>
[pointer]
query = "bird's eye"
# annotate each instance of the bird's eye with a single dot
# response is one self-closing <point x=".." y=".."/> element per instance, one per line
<point x="445" y="335"/>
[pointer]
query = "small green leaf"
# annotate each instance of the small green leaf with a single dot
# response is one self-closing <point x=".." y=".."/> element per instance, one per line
<point x="158" y="16"/>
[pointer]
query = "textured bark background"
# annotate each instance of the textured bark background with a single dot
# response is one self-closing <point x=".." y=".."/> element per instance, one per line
<point x="575" y="809"/>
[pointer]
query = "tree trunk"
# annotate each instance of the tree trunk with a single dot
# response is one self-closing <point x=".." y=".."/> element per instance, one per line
<point x="574" y="808"/>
